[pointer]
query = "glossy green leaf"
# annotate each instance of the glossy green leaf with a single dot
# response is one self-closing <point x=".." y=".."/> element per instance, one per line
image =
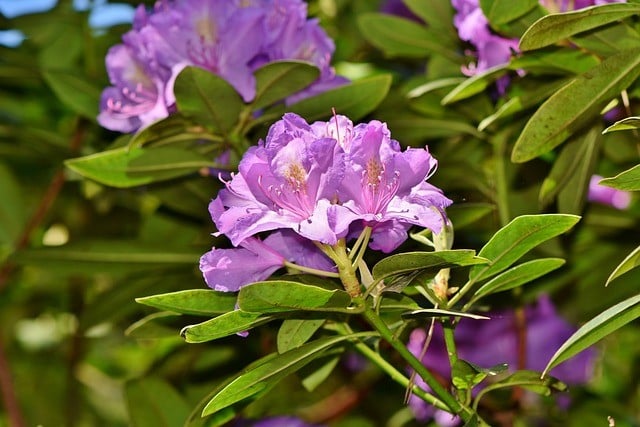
<point x="410" y="262"/>
<point x="198" y="302"/>
<point x="465" y="375"/>
<point x="517" y="238"/>
<point x="576" y="104"/>
<point x="439" y="312"/>
<point x="629" y="263"/>
<point x="518" y="276"/>
<point x="397" y="36"/>
<point x="149" y="327"/>
<point x="152" y="402"/>
<point x="608" y="40"/>
<point x="628" y="123"/>
<point x="281" y="296"/>
<point x="263" y="376"/>
<point x="318" y="374"/>
<point x="277" y="80"/>
<point x="75" y="91"/>
<point x="572" y="171"/>
<point x="394" y="302"/>
<point x="499" y="12"/>
<point x="554" y="62"/>
<point x="230" y="323"/>
<point x="208" y="98"/>
<point x="438" y="14"/>
<point x="295" y="332"/>
<point x="476" y="84"/>
<point x="531" y="380"/>
<point x="124" y="167"/>
<point x="556" y="27"/>
<point x="628" y="180"/>
<point x="595" y="329"/>
<point x="171" y="130"/>
<point x="354" y="100"/>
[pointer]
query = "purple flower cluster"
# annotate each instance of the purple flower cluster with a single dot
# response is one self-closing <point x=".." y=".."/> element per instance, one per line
<point x="488" y="343"/>
<point x="231" y="38"/>
<point x="323" y="182"/>
<point x="492" y="49"/>
<point x="606" y="195"/>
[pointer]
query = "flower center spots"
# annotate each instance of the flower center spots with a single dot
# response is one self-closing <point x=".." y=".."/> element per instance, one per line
<point x="291" y="195"/>
<point x="296" y="177"/>
<point x="378" y="187"/>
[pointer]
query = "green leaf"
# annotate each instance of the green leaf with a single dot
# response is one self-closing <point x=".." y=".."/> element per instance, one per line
<point x="595" y="329"/>
<point x="410" y="262"/>
<point x="397" y="36"/>
<point x="418" y="127"/>
<point x="438" y="14"/>
<point x="394" y="302"/>
<point x="576" y="104"/>
<point x="75" y="91"/>
<point x="152" y="402"/>
<point x="628" y="123"/>
<point x="518" y="276"/>
<point x="295" y="332"/>
<point x="198" y="302"/>
<point x="517" y="238"/>
<point x="476" y="84"/>
<point x="530" y="380"/>
<point x="149" y="328"/>
<point x="439" y="312"/>
<point x="354" y="100"/>
<point x="572" y="171"/>
<point x="500" y="12"/>
<point x="277" y="80"/>
<point x="628" y="180"/>
<point x="318" y="374"/>
<point x="281" y="296"/>
<point x="230" y="323"/>
<point x="124" y="167"/>
<point x="630" y="262"/>
<point x="209" y="98"/>
<point x="465" y="375"/>
<point x="171" y="130"/>
<point x="464" y="214"/>
<point x="261" y="377"/>
<point x="556" y="27"/>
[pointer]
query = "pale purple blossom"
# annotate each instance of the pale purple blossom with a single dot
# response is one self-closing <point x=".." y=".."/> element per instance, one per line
<point x="488" y="343"/>
<point x="329" y="180"/>
<point x="598" y="193"/>
<point x="255" y="260"/>
<point x="230" y="38"/>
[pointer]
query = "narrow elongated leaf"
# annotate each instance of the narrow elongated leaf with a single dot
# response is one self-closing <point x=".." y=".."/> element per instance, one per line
<point x="397" y="36"/>
<point x="556" y="27"/>
<point x="277" y="80"/>
<point x="628" y="180"/>
<point x="628" y="123"/>
<point x="418" y="127"/>
<point x="174" y="129"/>
<point x="595" y="329"/>
<point x="410" y="262"/>
<point x="263" y="376"/>
<point x="149" y="327"/>
<point x="438" y="14"/>
<point x="281" y="296"/>
<point x="517" y="238"/>
<point x="124" y="167"/>
<point x="198" y="302"/>
<point x="208" y="98"/>
<point x="476" y="84"/>
<point x="230" y="323"/>
<point x="75" y="91"/>
<point x="629" y="263"/>
<point x="576" y="104"/>
<point x="295" y="332"/>
<point x="530" y="380"/>
<point x="318" y="374"/>
<point x="518" y="276"/>
<point x="152" y="402"/>
<point x="572" y="169"/>
<point x="500" y="12"/>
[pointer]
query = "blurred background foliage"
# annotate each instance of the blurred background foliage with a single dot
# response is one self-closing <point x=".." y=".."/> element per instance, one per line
<point x="76" y="253"/>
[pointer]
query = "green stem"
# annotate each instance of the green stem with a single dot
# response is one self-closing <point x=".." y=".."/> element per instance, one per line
<point x="452" y="404"/>
<point x="346" y="271"/>
<point x="310" y="270"/>
<point x="390" y="370"/>
<point x="502" y="187"/>
<point x="450" y="342"/>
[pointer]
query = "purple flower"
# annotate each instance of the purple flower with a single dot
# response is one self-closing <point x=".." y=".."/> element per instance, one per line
<point x="385" y="188"/>
<point x="488" y="343"/>
<point x="229" y="38"/>
<point x="329" y="180"/>
<point x="289" y="181"/>
<point x="228" y="270"/>
<point x="606" y="195"/>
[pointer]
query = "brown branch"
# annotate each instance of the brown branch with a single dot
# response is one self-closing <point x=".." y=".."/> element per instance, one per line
<point x="8" y="393"/>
